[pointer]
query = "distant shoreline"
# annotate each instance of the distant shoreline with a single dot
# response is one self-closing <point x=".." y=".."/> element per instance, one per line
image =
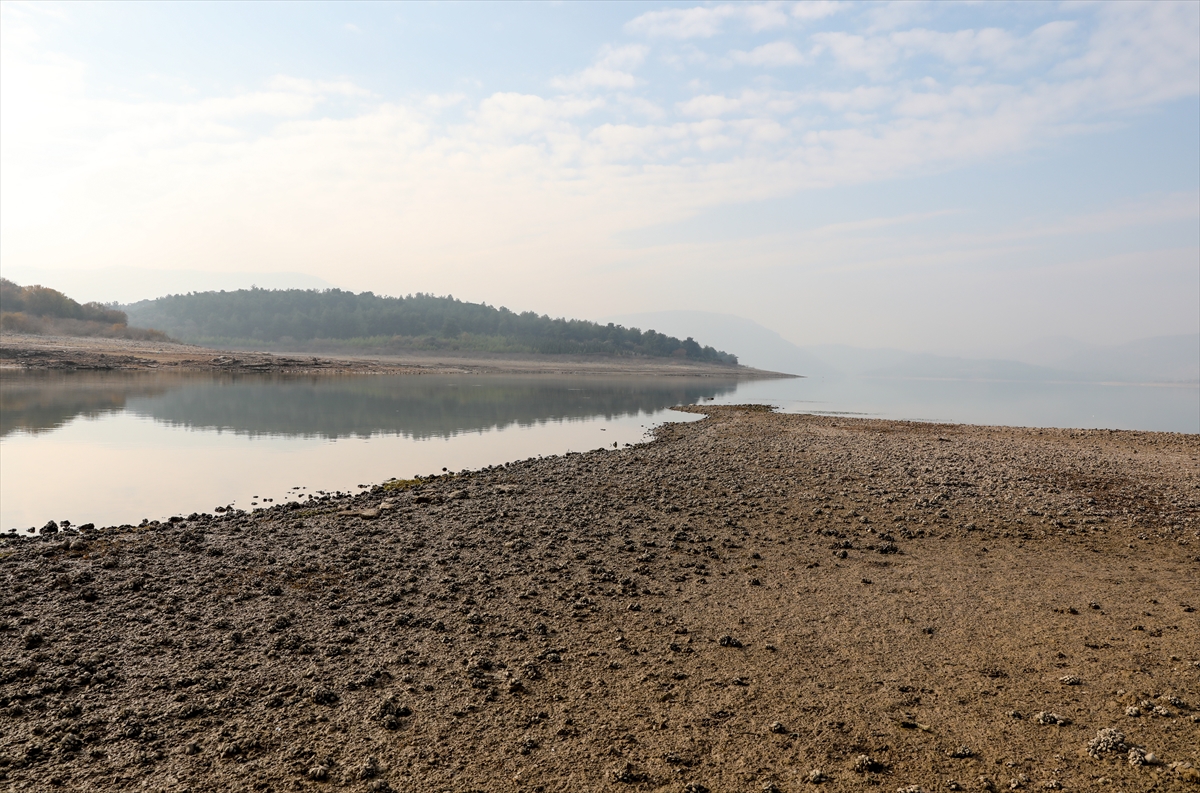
<point x="90" y="353"/>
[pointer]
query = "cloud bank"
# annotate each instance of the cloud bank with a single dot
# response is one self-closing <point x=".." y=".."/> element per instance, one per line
<point x="524" y="195"/>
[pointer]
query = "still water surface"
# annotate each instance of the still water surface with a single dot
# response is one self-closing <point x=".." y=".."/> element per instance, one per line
<point x="117" y="448"/>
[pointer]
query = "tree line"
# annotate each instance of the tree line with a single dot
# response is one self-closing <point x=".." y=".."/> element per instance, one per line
<point x="420" y="321"/>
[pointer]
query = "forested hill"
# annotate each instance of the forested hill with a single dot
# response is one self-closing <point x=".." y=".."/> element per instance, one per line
<point x="295" y="318"/>
<point x="47" y="312"/>
<point x="41" y="301"/>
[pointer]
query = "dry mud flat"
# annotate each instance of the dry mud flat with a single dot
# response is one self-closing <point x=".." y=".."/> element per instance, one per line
<point x="90" y="353"/>
<point x="754" y="602"/>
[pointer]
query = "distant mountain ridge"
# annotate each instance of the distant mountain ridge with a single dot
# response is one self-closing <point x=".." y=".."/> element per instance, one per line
<point x="1166" y="359"/>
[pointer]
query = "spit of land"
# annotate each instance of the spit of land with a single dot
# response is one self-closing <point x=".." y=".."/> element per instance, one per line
<point x="74" y="353"/>
<point x="752" y="602"/>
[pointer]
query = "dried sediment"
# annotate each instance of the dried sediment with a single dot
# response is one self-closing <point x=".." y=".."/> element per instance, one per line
<point x="91" y="353"/>
<point x="96" y="354"/>
<point x="751" y="602"/>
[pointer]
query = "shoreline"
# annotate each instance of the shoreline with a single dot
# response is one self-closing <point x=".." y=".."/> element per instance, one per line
<point x="91" y="353"/>
<point x="741" y="602"/>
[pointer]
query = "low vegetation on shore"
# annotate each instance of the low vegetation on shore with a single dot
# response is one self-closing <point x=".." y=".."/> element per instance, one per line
<point x="42" y="311"/>
<point x="753" y="602"/>
<point x="335" y="320"/>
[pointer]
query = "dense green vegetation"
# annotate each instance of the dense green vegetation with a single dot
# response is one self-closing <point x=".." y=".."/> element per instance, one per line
<point x="296" y="318"/>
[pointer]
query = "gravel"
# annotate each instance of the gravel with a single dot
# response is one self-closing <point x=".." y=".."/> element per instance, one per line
<point x="490" y="641"/>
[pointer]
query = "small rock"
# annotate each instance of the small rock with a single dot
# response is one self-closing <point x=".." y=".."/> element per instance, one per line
<point x="729" y="641"/>
<point x="816" y="776"/>
<point x="1042" y="717"/>
<point x="777" y="728"/>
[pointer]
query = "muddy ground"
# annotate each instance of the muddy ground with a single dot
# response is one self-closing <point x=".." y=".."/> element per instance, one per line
<point x="90" y="353"/>
<point x="754" y="602"/>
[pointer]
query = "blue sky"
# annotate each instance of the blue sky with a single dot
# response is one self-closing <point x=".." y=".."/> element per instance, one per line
<point x="952" y="177"/>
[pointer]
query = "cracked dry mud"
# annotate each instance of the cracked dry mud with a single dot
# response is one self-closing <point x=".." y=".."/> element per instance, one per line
<point x="753" y="602"/>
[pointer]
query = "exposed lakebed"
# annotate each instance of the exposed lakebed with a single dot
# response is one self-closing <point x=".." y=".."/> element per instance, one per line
<point x="116" y="448"/>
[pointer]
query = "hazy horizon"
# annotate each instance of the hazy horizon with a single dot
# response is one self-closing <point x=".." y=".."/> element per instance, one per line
<point x="953" y="178"/>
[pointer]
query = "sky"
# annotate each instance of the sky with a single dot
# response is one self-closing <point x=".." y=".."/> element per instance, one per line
<point x="945" y="177"/>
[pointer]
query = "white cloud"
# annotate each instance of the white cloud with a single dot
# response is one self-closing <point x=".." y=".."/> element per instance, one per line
<point x="628" y="57"/>
<point x="959" y="46"/>
<point x="897" y="13"/>
<point x="513" y="115"/>
<point x="442" y="101"/>
<point x="707" y="21"/>
<point x="765" y="103"/>
<point x="776" y="53"/>
<point x="990" y="45"/>
<point x="861" y="53"/>
<point x="316" y="87"/>
<point x="710" y="105"/>
<point x="1144" y="53"/>
<point x="862" y="97"/>
<point x="612" y="70"/>
<point x="504" y="191"/>
<point x="816" y="9"/>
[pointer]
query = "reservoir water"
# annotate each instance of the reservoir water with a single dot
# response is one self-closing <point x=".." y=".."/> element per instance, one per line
<point x="119" y="448"/>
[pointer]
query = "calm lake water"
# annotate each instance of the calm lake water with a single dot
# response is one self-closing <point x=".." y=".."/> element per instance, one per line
<point x="117" y="448"/>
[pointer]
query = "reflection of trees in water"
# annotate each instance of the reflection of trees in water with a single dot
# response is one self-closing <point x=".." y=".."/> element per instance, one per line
<point x="420" y="406"/>
<point x="42" y="401"/>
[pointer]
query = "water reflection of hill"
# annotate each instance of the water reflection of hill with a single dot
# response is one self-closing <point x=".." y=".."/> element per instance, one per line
<point x="424" y="406"/>
<point x="41" y="401"/>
